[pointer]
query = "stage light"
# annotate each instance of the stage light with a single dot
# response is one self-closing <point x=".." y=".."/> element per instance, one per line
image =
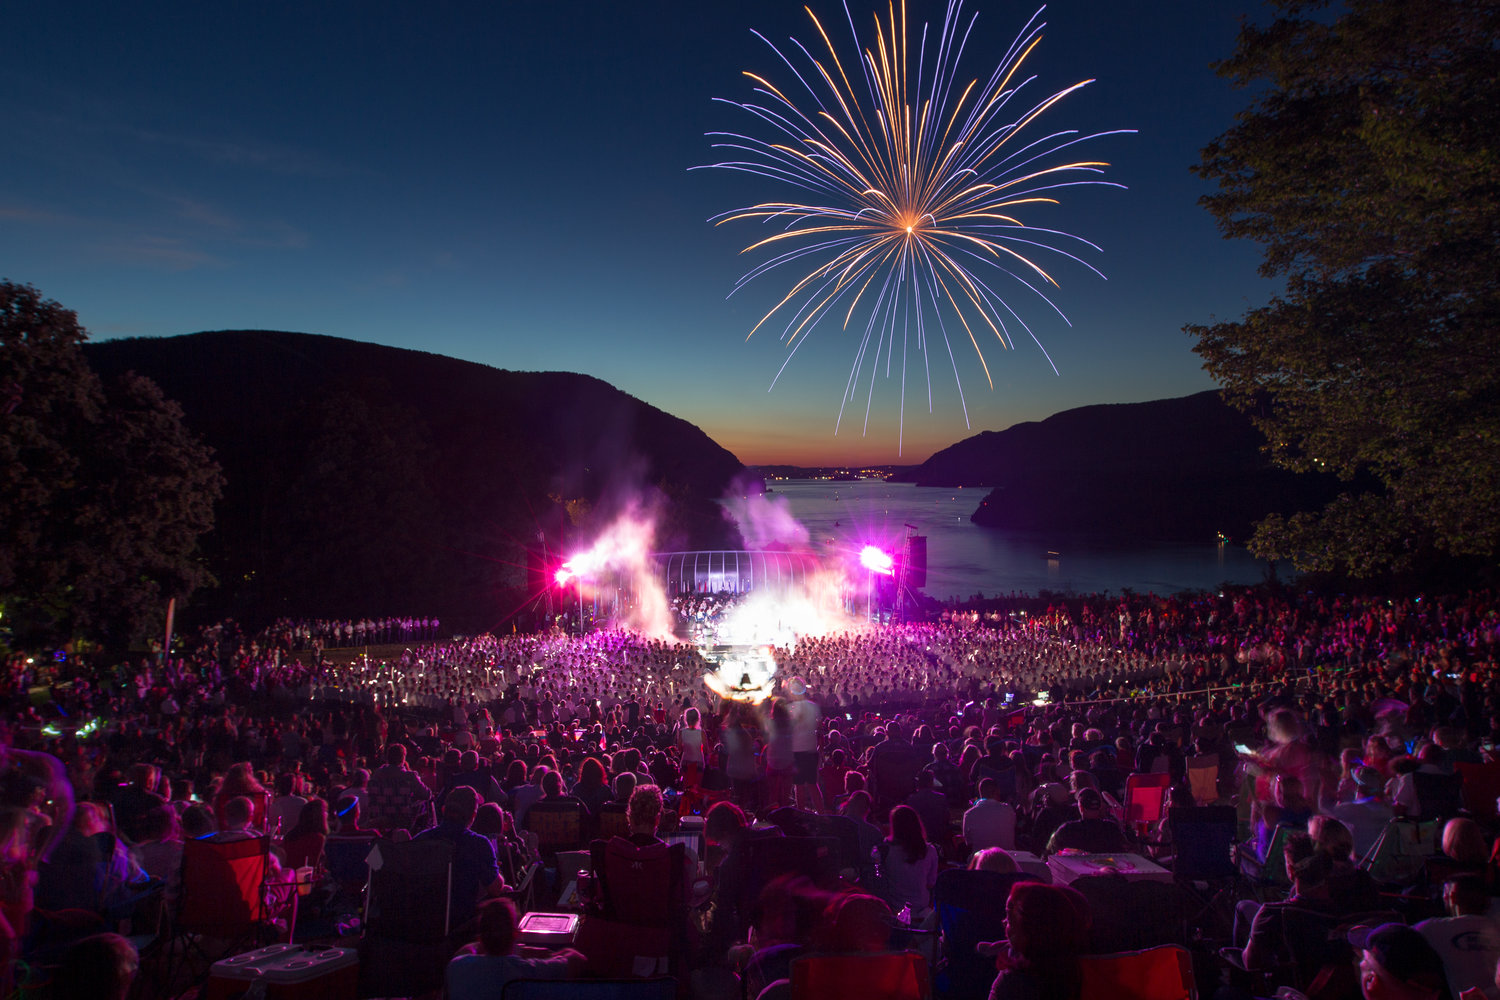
<point x="876" y="561"/>
<point x="562" y="576"/>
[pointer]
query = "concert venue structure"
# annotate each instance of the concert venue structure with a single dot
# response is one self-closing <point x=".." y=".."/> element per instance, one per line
<point x="732" y="571"/>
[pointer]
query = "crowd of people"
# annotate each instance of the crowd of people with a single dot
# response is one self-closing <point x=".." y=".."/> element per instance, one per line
<point x="978" y="739"/>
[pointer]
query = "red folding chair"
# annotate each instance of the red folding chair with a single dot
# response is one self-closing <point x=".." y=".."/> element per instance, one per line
<point x="880" y="975"/>
<point x="1145" y="800"/>
<point x="1162" y="973"/>
<point x="222" y="905"/>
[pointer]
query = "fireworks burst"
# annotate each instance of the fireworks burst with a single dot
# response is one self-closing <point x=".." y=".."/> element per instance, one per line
<point x="922" y="182"/>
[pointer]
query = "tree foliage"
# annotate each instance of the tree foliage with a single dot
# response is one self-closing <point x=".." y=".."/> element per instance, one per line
<point x="105" y="491"/>
<point x="1368" y="167"/>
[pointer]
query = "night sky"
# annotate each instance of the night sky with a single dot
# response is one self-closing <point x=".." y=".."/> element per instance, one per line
<point x="509" y="183"/>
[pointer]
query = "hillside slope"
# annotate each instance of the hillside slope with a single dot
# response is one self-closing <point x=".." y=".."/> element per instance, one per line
<point x="365" y="479"/>
<point x="1178" y="469"/>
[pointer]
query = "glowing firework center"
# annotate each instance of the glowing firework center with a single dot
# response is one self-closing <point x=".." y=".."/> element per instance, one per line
<point x="740" y="673"/>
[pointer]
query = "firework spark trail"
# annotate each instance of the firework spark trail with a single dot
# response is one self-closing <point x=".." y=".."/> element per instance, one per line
<point x="923" y="182"/>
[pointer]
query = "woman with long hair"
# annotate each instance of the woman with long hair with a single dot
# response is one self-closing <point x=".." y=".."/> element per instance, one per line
<point x="690" y="743"/>
<point x="1047" y="928"/>
<point x="592" y="788"/>
<point x="909" y="864"/>
<point x="239" y="781"/>
<point x="304" y="841"/>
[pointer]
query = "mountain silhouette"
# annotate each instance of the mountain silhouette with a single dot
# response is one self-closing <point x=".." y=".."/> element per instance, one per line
<point x="1179" y="469"/>
<point x="373" y="480"/>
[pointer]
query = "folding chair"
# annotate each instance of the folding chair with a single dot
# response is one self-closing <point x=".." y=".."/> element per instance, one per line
<point x="970" y="908"/>
<point x="1203" y="778"/>
<point x="408" y="933"/>
<point x="612" y="821"/>
<point x="881" y="975"/>
<point x="221" y="906"/>
<point x="1145" y="800"/>
<point x="1162" y="973"/>
<point x="642" y="907"/>
<point x="559" y="826"/>
<point x="1401" y="850"/>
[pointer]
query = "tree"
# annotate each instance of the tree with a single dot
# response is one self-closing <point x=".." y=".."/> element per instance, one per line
<point x="105" y="491"/>
<point x="1369" y="169"/>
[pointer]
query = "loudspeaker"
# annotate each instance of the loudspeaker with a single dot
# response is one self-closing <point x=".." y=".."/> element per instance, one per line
<point x="916" y="561"/>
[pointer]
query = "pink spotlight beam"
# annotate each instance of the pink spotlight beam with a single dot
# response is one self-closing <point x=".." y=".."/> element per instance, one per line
<point x="876" y="561"/>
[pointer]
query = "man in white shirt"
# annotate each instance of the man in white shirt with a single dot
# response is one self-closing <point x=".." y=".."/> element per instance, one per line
<point x="1468" y="939"/>
<point x="990" y="822"/>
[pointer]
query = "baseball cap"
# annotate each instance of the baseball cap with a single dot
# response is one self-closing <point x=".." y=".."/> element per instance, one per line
<point x="1403" y="952"/>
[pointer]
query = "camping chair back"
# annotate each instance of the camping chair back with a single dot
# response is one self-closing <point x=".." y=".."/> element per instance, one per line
<point x="1401" y="850"/>
<point x="1145" y="799"/>
<point x="612" y="820"/>
<point x="640" y="885"/>
<point x="223" y="886"/>
<point x="1162" y="973"/>
<point x="558" y="826"/>
<point x="344" y="859"/>
<point x="880" y="975"/>
<point x="1203" y="778"/>
<point x="409" y="896"/>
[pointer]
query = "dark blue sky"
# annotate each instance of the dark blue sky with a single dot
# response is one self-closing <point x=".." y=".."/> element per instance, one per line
<point x="508" y="183"/>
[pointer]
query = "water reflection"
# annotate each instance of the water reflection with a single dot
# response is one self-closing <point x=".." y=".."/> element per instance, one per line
<point x="964" y="559"/>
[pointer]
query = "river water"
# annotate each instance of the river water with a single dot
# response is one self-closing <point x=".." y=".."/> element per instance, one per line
<point x="964" y="559"/>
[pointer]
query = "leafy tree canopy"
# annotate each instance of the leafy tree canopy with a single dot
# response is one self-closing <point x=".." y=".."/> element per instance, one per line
<point x="105" y="492"/>
<point x="1369" y="168"/>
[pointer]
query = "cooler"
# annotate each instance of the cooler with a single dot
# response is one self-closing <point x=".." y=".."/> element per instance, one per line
<point x="548" y="930"/>
<point x="1031" y="864"/>
<point x="1133" y="867"/>
<point x="287" y="972"/>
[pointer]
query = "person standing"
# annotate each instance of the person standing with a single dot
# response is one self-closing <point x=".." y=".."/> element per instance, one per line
<point x="690" y="743"/>
<point x="805" y="714"/>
